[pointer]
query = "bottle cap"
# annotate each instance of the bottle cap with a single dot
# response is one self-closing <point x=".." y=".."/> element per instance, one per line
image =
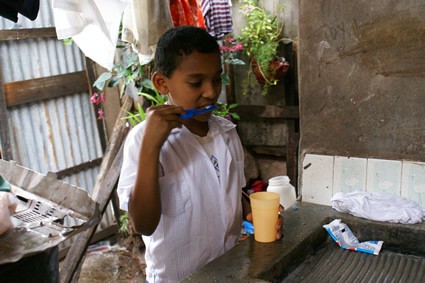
<point x="279" y="179"/>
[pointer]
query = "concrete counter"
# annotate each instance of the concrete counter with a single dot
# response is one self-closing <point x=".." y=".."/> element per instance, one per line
<point x="251" y="261"/>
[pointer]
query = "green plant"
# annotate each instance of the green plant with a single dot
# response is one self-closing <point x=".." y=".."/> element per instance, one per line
<point x="224" y="110"/>
<point x="124" y="223"/>
<point x="128" y="70"/>
<point x="139" y="114"/>
<point x="260" y="38"/>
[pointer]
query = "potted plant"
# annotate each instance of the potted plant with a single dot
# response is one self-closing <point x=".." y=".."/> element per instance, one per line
<point x="260" y="38"/>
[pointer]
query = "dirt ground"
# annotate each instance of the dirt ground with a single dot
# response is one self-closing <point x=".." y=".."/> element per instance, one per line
<point x="120" y="262"/>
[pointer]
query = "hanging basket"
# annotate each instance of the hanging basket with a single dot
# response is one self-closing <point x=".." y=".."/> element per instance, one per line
<point x="278" y="67"/>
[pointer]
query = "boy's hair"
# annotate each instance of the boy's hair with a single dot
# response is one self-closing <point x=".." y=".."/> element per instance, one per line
<point x="180" y="41"/>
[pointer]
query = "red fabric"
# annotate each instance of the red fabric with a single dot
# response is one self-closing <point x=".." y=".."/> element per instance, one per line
<point x="187" y="13"/>
<point x="258" y="186"/>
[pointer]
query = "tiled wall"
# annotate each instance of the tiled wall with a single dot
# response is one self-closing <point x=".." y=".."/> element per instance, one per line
<point x="323" y="176"/>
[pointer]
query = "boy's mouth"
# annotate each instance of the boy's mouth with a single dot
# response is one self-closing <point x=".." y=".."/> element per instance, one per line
<point x="189" y="113"/>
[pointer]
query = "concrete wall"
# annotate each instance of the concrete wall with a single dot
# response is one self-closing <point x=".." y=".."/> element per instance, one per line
<point x="362" y="78"/>
<point x="362" y="98"/>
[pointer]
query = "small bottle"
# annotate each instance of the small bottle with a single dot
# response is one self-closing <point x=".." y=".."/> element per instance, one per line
<point x="281" y="185"/>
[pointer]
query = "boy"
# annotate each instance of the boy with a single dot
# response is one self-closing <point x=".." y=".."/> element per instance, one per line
<point x="181" y="179"/>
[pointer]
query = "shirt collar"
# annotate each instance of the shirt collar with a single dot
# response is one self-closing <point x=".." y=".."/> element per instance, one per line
<point x="216" y="125"/>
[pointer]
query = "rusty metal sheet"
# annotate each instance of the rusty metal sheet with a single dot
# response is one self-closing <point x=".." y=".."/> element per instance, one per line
<point x="49" y="212"/>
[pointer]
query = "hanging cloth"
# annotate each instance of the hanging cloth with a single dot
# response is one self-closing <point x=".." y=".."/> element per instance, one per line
<point x="144" y="21"/>
<point x="218" y="17"/>
<point x="92" y="24"/>
<point x="187" y="13"/>
<point x="9" y="9"/>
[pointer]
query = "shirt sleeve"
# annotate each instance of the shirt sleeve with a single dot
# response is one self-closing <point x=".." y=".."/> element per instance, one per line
<point x="129" y="166"/>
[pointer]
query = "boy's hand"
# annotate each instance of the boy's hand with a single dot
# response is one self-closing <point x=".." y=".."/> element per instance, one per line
<point x="160" y="120"/>
<point x="278" y="224"/>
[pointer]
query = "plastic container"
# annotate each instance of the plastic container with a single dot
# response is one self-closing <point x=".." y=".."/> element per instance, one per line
<point x="265" y="208"/>
<point x="281" y="185"/>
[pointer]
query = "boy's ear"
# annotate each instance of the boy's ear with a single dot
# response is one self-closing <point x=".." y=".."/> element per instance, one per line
<point x="160" y="82"/>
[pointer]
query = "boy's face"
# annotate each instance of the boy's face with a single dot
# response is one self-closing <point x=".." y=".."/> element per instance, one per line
<point x="196" y="82"/>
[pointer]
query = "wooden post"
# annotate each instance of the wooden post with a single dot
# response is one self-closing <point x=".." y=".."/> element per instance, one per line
<point x="102" y="193"/>
<point x="5" y="147"/>
<point x="291" y="99"/>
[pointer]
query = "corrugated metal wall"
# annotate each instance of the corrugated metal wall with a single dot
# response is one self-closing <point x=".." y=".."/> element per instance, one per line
<point x="53" y="134"/>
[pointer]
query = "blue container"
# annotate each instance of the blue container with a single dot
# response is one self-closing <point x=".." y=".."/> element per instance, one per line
<point x="4" y="185"/>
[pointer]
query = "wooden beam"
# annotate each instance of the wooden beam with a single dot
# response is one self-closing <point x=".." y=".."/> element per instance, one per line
<point x="102" y="192"/>
<point x="78" y="168"/>
<point x="109" y="232"/>
<point x="269" y="150"/>
<point x="73" y="260"/>
<point x="17" y="34"/>
<point x="5" y="143"/>
<point x="291" y="99"/>
<point x="249" y="112"/>
<point x="92" y="76"/>
<point x="45" y="88"/>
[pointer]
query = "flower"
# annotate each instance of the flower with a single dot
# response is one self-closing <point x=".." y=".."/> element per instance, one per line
<point x="229" y="51"/>
<point x="100" y="114"/>
<point x="97" y="98"/>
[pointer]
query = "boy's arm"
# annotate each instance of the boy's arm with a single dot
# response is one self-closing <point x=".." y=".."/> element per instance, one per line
<point x="246" y="206"/>
<point x="145" y="203"/>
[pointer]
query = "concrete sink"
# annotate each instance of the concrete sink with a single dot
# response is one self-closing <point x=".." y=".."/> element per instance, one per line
<point x="306" y="253"/>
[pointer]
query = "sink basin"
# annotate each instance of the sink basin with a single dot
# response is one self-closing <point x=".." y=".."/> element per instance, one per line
<point x="306" y="253"/>
<point x="329" y="263"/>
<point x="402" y="257"/>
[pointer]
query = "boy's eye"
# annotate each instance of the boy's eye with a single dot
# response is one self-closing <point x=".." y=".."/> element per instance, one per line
<point x="217" y="80"/>
<point x="195" y="84"/>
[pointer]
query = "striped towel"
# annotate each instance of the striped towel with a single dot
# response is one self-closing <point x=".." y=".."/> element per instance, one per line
<point x="218" y="17"/>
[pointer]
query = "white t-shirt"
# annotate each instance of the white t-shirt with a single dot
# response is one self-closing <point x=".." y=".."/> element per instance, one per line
<point x="201" y="214"/>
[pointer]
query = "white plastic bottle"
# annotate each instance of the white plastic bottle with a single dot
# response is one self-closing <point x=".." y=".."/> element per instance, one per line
<point x="281" y="185"/>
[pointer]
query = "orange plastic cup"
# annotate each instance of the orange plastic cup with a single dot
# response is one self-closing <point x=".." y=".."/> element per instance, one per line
<point x="265" y="209"/>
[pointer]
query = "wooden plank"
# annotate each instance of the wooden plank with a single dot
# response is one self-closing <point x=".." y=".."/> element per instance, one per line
<point x="92" y="77"/>
<point x="45" y="88"/>
<point x="73" y="260"/>
<point x="5" y="144"/>
<point x="292" y="153"/>
<point x="250" y="112"/>
<point x="104" y="234"/>
<point x="230" y="93"/>
<point x="102" y="193"/>
<point x="291" y="99"/>
<point x="78" y="168"/>
<point x="269" y="150"/>
<point x="17" y="34"/>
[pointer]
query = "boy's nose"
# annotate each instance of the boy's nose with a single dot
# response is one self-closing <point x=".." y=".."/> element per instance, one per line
<point x="212" y="91"/>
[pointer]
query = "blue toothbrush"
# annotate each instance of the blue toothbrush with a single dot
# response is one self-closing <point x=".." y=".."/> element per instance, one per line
<point x="189" y="113"/>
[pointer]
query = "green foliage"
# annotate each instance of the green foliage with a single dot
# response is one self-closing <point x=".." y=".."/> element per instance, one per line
<point x="139" y="115"/>
<point x="124" y="223"/>
<point x="68" y="41"/>
<point x="127" y="71"/>
<point x="224" y="110"/>
<point x="261" y="28"/>
<point x="260" y="37"/>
